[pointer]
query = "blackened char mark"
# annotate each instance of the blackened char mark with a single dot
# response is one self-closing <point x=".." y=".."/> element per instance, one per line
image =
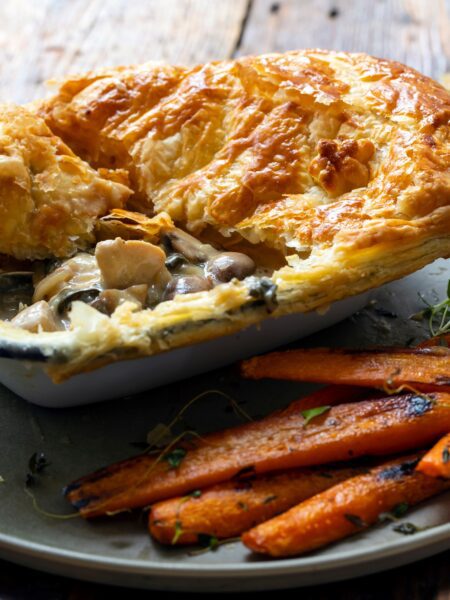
<point x="398" y="471"/>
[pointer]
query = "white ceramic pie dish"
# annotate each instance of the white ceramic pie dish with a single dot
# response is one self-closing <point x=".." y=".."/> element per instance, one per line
<point x="29" y="380"/>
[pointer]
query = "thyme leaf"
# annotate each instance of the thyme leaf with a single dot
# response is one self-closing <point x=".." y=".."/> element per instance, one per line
<point x="208" y="541"/>
<point x="178" y="532"/>
<point x="312" y="413"/>
<point x="195" y="494"/>
<point x="175" y="457"/>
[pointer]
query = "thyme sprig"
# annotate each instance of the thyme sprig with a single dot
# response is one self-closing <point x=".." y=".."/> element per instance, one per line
<point x="437" y="315"/>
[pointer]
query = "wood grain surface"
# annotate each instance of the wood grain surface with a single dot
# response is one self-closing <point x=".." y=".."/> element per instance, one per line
<point x="43" y="39"/>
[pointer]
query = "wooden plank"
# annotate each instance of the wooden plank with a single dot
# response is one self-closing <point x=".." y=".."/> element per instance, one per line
<point x="41" y="39"/>
<point x="415" y="32"/>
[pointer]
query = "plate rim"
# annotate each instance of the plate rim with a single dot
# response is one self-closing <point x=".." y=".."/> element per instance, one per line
<point x="266" y="567"/>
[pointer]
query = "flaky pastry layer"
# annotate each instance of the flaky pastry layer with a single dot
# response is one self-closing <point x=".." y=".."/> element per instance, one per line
<point x="339" y="162"/>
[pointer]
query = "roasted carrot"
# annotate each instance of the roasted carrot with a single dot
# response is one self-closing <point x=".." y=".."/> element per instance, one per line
<point x="423" y="369"/>
<point x="436" y="462"/>
<point x="331" y="395"/>
<point x="280" y="441"/>
<point x="344" y="509"/>
<point x="439" y="340"/>
<point x="227" y="509"/>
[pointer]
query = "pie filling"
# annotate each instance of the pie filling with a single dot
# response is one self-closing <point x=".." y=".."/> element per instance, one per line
<point x="39" y="297"/>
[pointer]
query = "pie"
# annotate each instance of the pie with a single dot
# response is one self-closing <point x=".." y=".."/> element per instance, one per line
<point x="264" y="185"/>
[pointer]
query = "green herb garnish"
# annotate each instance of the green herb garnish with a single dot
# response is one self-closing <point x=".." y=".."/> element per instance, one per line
<point x="355" y="520"/>
<point x="445" y="455"/>
<point x="178" y="532"/>
<point x="396" y="513"/>
<point x="207" y="541"/>
<point x="312" y="413"/>
<point x="406" y="528"/>
<point x="37" y="463"/>
<point x="175" y="457"/>
<point x="195" y="494"/>
<point x="437" y="315"/>
<point x="269" y="499"/>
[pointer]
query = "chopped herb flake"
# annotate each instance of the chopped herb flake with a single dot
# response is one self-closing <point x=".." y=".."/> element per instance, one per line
<point x="312" y="413"/>
<point x="208" y="541"/>
<point x="175" y="457"/>
<point x="269" y="499"/>
<point x="355" y="520"/>
<point x="178" y="532"/>
<point x="406" y="528"/>
<point x="195" y="494"/>
<point x="37" y="463"/>
<point x="396" y="513"/>
<point x="445" y="455"/>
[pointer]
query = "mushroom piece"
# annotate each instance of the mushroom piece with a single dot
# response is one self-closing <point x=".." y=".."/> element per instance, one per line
<point x="186" y="244"/>
<point x="63" y="301"/>
<point x="126" y="263"/>
<point x="37" y="317"/>
<point x="185" y="285"/>
<point x="109" y="300"/>
<point x="229" y="265"/>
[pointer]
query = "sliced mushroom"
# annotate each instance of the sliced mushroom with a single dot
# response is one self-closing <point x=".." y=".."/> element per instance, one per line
<point x="185" y="285"/>
<point x="63" y="301"/>
<point x="180" y="241"/>
<point x="109" y="300"/>
<point x="37" y="317"/>
<point x="126" y="263"/>
<point x="229" y="265"/>
<point x="174" y="261"/>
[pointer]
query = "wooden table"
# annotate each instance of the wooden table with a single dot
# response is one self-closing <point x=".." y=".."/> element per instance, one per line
<point x="42" y="39"/>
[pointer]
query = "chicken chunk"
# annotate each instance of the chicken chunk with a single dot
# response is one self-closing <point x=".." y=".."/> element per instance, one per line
<point x="126" y="263"/>
<point x="37" y="317"/>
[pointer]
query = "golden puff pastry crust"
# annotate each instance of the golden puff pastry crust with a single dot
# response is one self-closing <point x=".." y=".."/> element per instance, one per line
<point x="299" y="151"/>
<point x="339" y="163"/>
<point x="50" y="199"/>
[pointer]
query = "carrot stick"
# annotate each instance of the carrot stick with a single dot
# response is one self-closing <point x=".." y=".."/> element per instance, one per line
<point x="439" y="340"/>
<point x="436" y="462"/>
<point x="284" y="440"/>
<point x="344" y="509"/>
<point x="423" y="369"/>
<point x="227" y="509"/>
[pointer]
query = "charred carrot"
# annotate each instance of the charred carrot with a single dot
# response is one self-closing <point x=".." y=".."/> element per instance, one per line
<point x="284" y="440"/>
<point x="423" y="369"/>
<point x="439" y="340"/>
<point x="227" y="509"/>
<point x="344" y="509"/>
<point x="436" y="462"/>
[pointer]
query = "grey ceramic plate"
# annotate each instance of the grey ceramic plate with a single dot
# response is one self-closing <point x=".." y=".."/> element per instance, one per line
<point x="119" y="551"/>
